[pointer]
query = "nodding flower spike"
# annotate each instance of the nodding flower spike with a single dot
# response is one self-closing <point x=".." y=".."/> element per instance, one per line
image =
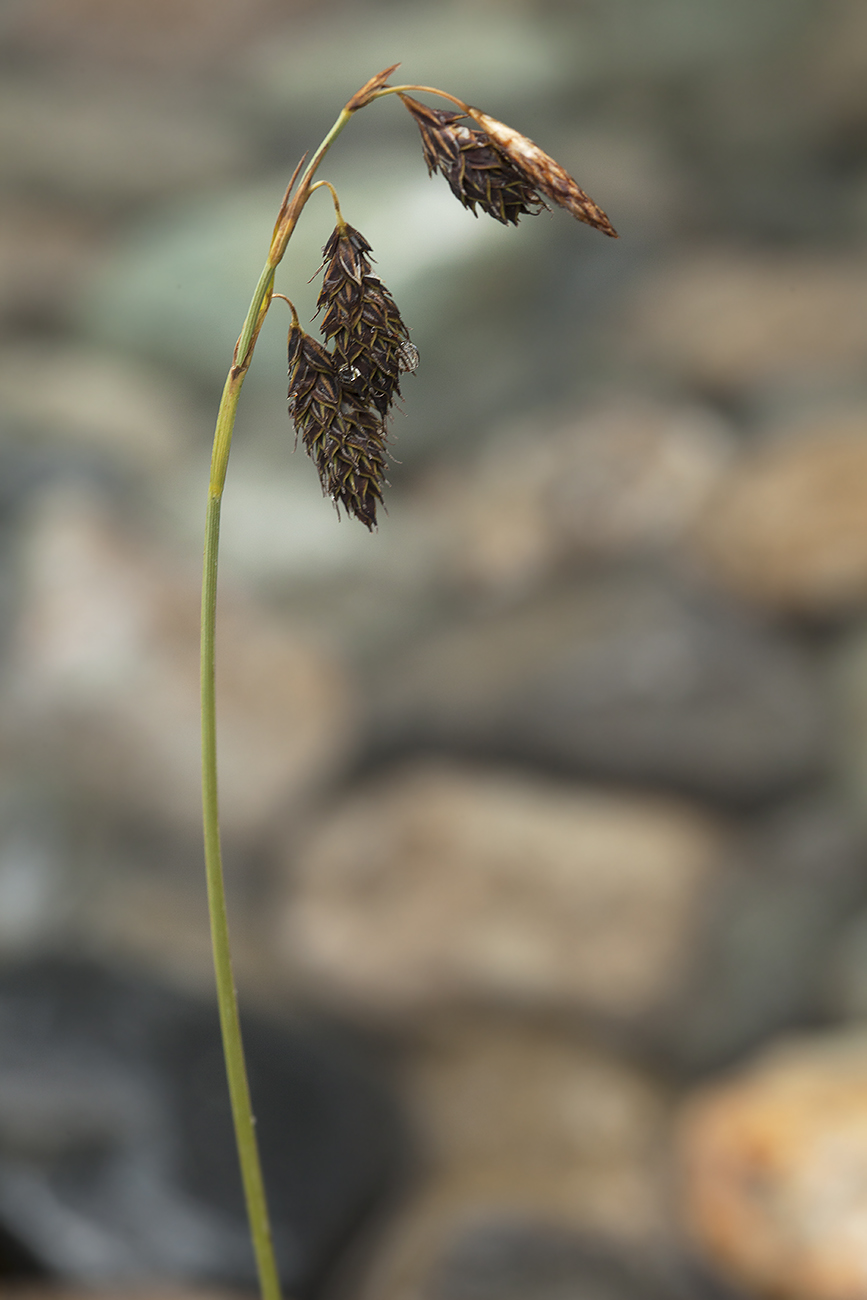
<point x="341" y="394"/>
<point x="343" y="437"/>
<point x="477" y="173"/>
<point x="361" y="320"/>
<point x="543" y="172"/>
<point x="499" y="169"/>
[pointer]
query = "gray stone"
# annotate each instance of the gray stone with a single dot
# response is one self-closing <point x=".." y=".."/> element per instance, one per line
<point x="117" y="1161"/>
<point x="769" y="951"/>
<point x="845" y="983"/>
<point x="525" y="1259"/>
<point x="191" y="41"/>
<point x="624" y="676"/>
<point x="523" y="57"/>
<point x="848" y="679"/>
<point x="97" y="141"/>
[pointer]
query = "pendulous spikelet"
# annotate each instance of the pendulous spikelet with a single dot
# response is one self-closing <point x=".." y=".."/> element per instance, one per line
<point x="499" y="169"/>
<point x="344" y="438"/>
<point x="362" y="320"/>
<point x="339" y="400"/>
<point x="543" y="172"/>
<point x="476" y="171"/>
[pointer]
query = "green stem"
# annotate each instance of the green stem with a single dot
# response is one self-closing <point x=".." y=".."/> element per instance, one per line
<point x="227" y="1000"/>
<point x="427" y="90"/>
<point x="230" y="1026"/>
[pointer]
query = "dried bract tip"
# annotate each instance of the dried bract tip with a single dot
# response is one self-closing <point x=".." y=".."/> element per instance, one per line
<point x="362" y="320"/>
<point x="344" y="438"/>
<point x="363" y="97"/>
<point x="476" y="170"/>
<point x="543" y="172"/>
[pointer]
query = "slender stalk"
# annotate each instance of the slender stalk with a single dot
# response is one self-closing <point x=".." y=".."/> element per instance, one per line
<point x="239" y="1091"/>
<point x="425" y="90"/>
<point x="227" y="1000"/>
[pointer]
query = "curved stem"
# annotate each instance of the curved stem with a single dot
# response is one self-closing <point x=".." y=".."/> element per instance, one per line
<point x="230" y="1026"/>
<point x="425" y="90"/>
<point x="327" y="185"/>
<point x="227" y="1000"/>
<point x="292" y="208"/>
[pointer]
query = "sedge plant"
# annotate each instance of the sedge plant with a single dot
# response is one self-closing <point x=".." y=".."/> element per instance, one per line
<point x="340" y="395"/>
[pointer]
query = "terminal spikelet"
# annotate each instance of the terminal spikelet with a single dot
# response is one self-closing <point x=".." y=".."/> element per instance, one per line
<point x="543" y="172"/>
<point x="362" y="321"/>
<point x="477" y="172"/>
<point x="499" y="169"/>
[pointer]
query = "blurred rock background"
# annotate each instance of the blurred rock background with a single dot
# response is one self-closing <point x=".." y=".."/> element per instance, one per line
<point x="546" y="804"/>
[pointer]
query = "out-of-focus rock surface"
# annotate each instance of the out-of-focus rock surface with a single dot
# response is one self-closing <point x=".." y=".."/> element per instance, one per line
<point x="510" y="1256"/>
<point x="626" y="675"/>
<point x="115" y="1133"/>
<point x="551" y="791"/>
<point x="626" y="479"/>
<point x="773" y="1164"/>
<point x="137" y="1293"/>
<point x="444" y="885"/>
<point x="109" y="411"/>
<point x="787" y="528"/>
<point x="793" y="881"/>
<point x="525" y="1124"/>
<point x="103" y="672"/>
<point x="725" y="320"/>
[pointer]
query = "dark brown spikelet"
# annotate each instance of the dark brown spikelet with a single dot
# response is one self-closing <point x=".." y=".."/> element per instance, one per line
<point x="356" y="460"/>
<point x="542" y="172"/>
<point x="362" y="320"/>
<point x="344" y="438"/>
<point x="476" y="170"/>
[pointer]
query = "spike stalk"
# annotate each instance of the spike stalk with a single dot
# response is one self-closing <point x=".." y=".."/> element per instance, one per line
<point x="236" y="1070"/>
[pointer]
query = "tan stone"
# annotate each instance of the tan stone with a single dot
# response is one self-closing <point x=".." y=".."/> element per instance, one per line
<point x="632" y="476"/>
<point x="622" y="478"/>
<point x="517" y="1122"/>
<point x="443" y="884"/>
<point x="774" y="1171"/>
<point x="729" y="319"/>
<point x="103" y="679"/>
<point x="788" y="527"/>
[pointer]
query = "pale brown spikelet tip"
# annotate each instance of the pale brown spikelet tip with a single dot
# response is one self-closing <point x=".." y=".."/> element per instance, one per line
<point x="364" y="96"/>
<point x="543" y="172"/>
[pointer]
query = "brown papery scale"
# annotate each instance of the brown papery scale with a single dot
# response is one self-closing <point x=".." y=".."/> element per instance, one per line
<point x="543" y="172"/>
<point x="477" y="172"/>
